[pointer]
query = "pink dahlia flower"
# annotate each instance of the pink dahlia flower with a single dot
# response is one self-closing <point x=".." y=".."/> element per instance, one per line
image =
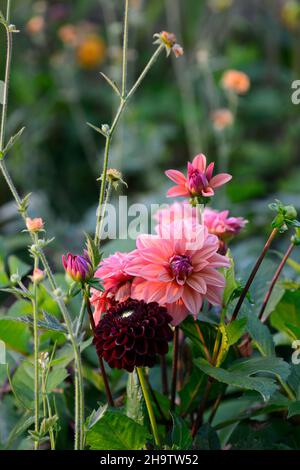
<point x="179" y="269"/>
<point x="199" y="180"/>
<point x="218" y="223"/>
<point x="116" y="281"/>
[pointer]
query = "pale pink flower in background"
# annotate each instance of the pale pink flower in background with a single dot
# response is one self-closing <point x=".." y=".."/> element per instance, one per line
<point x="220" y="224"/>
<point x="176" y="211"/>
<point x="176" y="271"/>
<point x="199" y="180"/>
<point x="116" y="281"/>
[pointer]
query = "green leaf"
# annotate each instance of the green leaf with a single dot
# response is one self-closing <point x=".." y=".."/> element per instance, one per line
<point x="235" y="330"/>
<point x="93" y="251"/>
<point x="109" y="429"/>
<point x="50" y="323"/>
<point x="231" y="283"/>
<point x="17" y="266"/>
<point x="259" y="333"/>
<point x="240" y="374"/>
<point x="135" y="403"/>
<point x="286" y="316"/>
<point x="15" y="334"/>
<point x="12" y="141"/>
<point x="294" y="409"/>
<point x="206" y="439"/>
<point x="181" y="436"/>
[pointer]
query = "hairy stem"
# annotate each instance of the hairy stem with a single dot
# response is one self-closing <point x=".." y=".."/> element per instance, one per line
<point x="148" y="405"/>
<point x="253" y="274"/>
<point x="23" y="212"/>
<point x="36" y="353"/>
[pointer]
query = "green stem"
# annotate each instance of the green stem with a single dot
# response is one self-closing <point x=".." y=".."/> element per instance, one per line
<point x="79" y="403"/>
<point x="6" y="79"/>
<point x="123" y="103"/>
<point x="148" y="405"/>
<point x="36" y="355"/>
<point x="125" y="49"/>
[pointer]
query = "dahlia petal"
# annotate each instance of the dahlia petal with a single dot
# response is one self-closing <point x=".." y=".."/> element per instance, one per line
<point x="209" y="171"/>
<point x="179" y="190"/>
<point x="218" y="261"/>
<point x="173" y="292"/>
<point x="176" y="176"/>
<point x="214" y="295"/>
<point x="178" y="312"/>
<point x="192" y="300"/>
<point x="197" y="283"/>
<point x="219" y="180"/>
<point x="207" y="192"/>
<point x="199" y="162"/>
<point x="213" y="277"/>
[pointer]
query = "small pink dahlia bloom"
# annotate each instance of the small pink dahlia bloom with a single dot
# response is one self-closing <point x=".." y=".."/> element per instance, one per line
<point x="178" y="269"/>
<point x="116" y="281"/>
<point x="199" y="180"/>
<point x="218" y="223"/>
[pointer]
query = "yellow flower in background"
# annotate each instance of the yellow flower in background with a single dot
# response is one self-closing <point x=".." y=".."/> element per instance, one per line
<point x="91" y="52"/>
<point x="236" y="81"/>
<point x="220" y="5"/>
<point x="290" y="14"/>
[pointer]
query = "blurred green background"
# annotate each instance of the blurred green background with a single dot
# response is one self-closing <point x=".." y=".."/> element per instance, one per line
<point x="56" y="88"/>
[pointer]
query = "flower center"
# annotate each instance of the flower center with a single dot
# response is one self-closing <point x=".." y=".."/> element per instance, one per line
<point x="181" y="267"/>
<point x="197" y="181"/>
<point x="127" y="313"/>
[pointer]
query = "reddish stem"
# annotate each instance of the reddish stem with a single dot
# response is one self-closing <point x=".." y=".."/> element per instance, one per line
<point x="253" y="274"/>
<point x="175" y="367"/>
<point x="274" y="280"/>
<point x="101" y="363"/>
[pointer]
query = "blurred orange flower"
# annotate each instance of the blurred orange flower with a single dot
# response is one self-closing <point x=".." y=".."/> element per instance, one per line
<point x="236" y="81"/>
<point x="35" y="25"/>
<point x="222" y="118"/>
<point x="91" y="52"/>
<point x="68" y="34"/>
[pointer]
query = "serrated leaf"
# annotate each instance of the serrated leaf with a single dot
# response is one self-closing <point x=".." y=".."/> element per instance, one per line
<point x="51" y="323"/>
<point x="240" y="374"/>
<point x="286" y="316"/>
<point x="235" y="330"/>
<point x="231" y="283"/>
<point x="135" y="403"/>
<point x="109" y="429"/>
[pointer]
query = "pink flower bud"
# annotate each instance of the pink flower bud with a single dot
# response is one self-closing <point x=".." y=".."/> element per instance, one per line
<point x="34" y="225"/>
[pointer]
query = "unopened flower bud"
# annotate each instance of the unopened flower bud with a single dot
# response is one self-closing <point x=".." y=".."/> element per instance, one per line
<point x="37" y="276"/>
<point x="79" y="268"/>
<point x="15" y="278"/>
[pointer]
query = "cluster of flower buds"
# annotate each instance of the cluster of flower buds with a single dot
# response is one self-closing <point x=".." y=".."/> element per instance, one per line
<point x="170" y="42"/>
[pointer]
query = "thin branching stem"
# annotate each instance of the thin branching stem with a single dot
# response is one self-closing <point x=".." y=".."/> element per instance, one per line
<point x="274" y="281"/>
<point x="253" y="274"/>
<point x="151" y="414"/>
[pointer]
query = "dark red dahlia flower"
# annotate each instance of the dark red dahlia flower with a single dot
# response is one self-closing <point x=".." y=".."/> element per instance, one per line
<point x="132" y="333"/>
